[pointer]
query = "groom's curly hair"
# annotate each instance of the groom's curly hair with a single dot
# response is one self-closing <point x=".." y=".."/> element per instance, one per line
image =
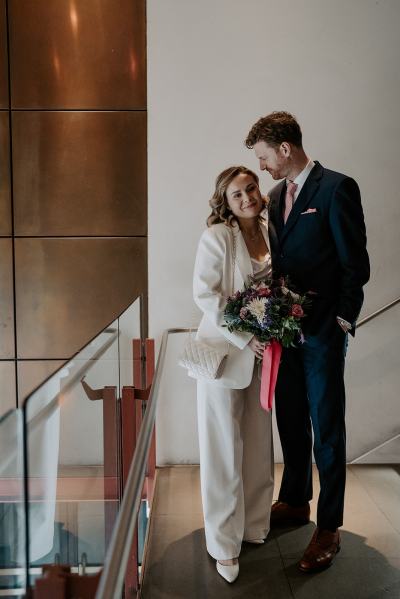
<point x="274" y="129"/>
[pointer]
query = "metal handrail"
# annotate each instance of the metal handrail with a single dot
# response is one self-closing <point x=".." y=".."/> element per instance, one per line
<point x="377" y="313"/>
<point x="108" y="330"/>
<point x="367" y="453"/>
<point x="49" y="408"/>
<point x="115" y="563"/>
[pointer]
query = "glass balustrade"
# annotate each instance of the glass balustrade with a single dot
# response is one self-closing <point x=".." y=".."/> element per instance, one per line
<point x="12" y="507"/>
<point x="71" y="435"/>
<point x="72" y="427"/>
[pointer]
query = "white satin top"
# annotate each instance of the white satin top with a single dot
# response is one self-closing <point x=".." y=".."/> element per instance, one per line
<point x="261" y="269"/>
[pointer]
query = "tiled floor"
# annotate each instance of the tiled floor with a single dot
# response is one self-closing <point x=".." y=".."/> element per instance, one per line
<point x="368" y="567"/>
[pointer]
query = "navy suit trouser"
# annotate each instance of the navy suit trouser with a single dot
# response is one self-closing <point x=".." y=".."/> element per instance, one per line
<point x="310" y="397"/>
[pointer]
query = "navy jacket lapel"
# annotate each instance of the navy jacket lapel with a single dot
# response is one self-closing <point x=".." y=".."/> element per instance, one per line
<point x="305" y="196"/>
<point x="275" y="221"/>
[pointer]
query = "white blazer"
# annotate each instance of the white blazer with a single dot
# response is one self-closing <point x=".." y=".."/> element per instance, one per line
<point x="213" y="283"/>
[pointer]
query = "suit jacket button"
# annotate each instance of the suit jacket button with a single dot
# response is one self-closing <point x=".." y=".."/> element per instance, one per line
<point x="282" y="255"/>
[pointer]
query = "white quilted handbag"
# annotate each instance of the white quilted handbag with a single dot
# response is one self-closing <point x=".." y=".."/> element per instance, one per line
<point x="202" y="360"/>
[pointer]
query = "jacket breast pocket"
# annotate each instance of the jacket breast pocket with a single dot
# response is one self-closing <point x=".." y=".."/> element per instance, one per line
<point x="309" y="220"/>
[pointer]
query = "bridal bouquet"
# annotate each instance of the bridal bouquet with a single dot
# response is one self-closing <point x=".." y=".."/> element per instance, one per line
<point x="272" y="312"/>
<point x="269" y="310"/>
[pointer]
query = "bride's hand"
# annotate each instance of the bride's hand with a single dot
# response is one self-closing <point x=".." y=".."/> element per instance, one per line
<point x="257" y="347"/>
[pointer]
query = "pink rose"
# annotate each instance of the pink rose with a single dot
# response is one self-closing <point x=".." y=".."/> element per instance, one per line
<point x="297" y="311"/>
<point x="264" y="292"/>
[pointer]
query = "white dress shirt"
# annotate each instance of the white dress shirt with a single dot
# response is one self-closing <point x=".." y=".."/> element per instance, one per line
<point x="302" y="177"/>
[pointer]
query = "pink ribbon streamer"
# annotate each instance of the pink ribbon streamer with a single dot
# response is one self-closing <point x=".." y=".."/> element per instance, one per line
<point x="269" y="373"/>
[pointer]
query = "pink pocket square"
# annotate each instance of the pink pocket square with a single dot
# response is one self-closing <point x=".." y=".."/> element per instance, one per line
<point x="310" y="211"/>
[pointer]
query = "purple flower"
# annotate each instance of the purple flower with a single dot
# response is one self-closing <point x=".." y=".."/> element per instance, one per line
<point x="267" y="322"/>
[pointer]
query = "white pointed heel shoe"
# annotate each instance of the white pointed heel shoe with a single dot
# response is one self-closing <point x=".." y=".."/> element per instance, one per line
<point x="230" y="573"/>
<point x="254" y="541"/>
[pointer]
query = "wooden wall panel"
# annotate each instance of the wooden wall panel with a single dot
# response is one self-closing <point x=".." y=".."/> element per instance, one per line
<point x="5" y="176"/>
<point x="3" y="57"/>
<point x="67" y="290"/>
<point x="77" y="177"/>
<point x="6" y="300"/>
<point x="80" y="173"/>
<point x="78" y="54"/>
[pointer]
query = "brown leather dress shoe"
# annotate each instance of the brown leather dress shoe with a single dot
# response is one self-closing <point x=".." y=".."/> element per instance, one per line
<point x="321" y="551"/>
<point x="283" y="514"/>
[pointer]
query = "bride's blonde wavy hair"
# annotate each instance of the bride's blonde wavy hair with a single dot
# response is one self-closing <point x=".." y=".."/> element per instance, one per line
<point x="220" y="211"/>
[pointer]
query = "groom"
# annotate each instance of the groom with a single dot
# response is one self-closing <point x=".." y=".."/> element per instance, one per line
<point x="318" y="240"/>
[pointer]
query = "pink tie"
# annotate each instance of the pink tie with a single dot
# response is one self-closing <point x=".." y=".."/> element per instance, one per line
<point x="289" y="199"/>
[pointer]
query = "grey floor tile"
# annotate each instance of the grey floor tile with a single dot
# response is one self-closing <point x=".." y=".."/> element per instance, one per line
<point x="178" y="565"/>
<point x="368" y="566"/>
<point x="169" y="529"/>
<point x="361" y="532"/>
<point x="351" y="578"/>
<point x="293" y="541"/>
<point x="259" y="577"/>
<point x="190" y="533"/>
<point x="178" y="490"/>
<point x="383" y="486"/>
<point x="364" y="518"/>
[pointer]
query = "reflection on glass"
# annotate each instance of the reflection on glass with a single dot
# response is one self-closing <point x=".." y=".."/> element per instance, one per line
<point x="12" y="522"/>
<point x="72" y="499"/>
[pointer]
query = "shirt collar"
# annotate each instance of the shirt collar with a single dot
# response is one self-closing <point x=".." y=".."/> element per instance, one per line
<point x="301" y="177"/>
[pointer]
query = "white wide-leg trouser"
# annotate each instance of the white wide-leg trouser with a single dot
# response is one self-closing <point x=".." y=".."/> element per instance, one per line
<point x="236" y="466"/>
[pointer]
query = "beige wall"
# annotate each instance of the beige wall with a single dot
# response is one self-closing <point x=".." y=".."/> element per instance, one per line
<point x="214" y="67"/>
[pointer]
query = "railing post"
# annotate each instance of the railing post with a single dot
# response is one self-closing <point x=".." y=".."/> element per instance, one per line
<point x="143" y="378"/>
<point x="138" y="381"/>
<point x="128" y="439"/>
<point x="111" y="455"/>
<point x="57" y="582"/>
<point x="151" y="464"/>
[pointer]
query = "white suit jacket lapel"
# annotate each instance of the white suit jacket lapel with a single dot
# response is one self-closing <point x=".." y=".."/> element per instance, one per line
<point x="242" y="262"/>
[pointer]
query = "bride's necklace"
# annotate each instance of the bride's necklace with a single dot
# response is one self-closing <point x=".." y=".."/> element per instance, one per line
<point x="254" y="236"/>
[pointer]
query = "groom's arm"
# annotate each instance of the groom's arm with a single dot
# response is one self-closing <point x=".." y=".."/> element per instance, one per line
<point x="347" y="225"/>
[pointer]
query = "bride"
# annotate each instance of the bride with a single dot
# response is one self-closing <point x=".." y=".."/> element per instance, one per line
<point x="235" y="435"/>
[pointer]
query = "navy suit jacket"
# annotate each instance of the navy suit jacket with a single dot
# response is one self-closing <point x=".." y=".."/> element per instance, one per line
<point x="323" y="250"/>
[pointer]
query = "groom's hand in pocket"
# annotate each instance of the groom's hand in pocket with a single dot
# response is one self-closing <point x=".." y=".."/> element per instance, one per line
<point x="344" y="324"/>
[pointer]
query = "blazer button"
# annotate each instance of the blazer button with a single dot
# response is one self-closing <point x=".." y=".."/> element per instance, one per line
<point x="282" y="255"/>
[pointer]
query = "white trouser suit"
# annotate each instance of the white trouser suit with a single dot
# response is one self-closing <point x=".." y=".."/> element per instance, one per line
<point x="235" y="433"/>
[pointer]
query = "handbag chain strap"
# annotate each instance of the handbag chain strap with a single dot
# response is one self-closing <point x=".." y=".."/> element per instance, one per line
<point x="233" y="268"/>
<point x="233" y="260"/>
